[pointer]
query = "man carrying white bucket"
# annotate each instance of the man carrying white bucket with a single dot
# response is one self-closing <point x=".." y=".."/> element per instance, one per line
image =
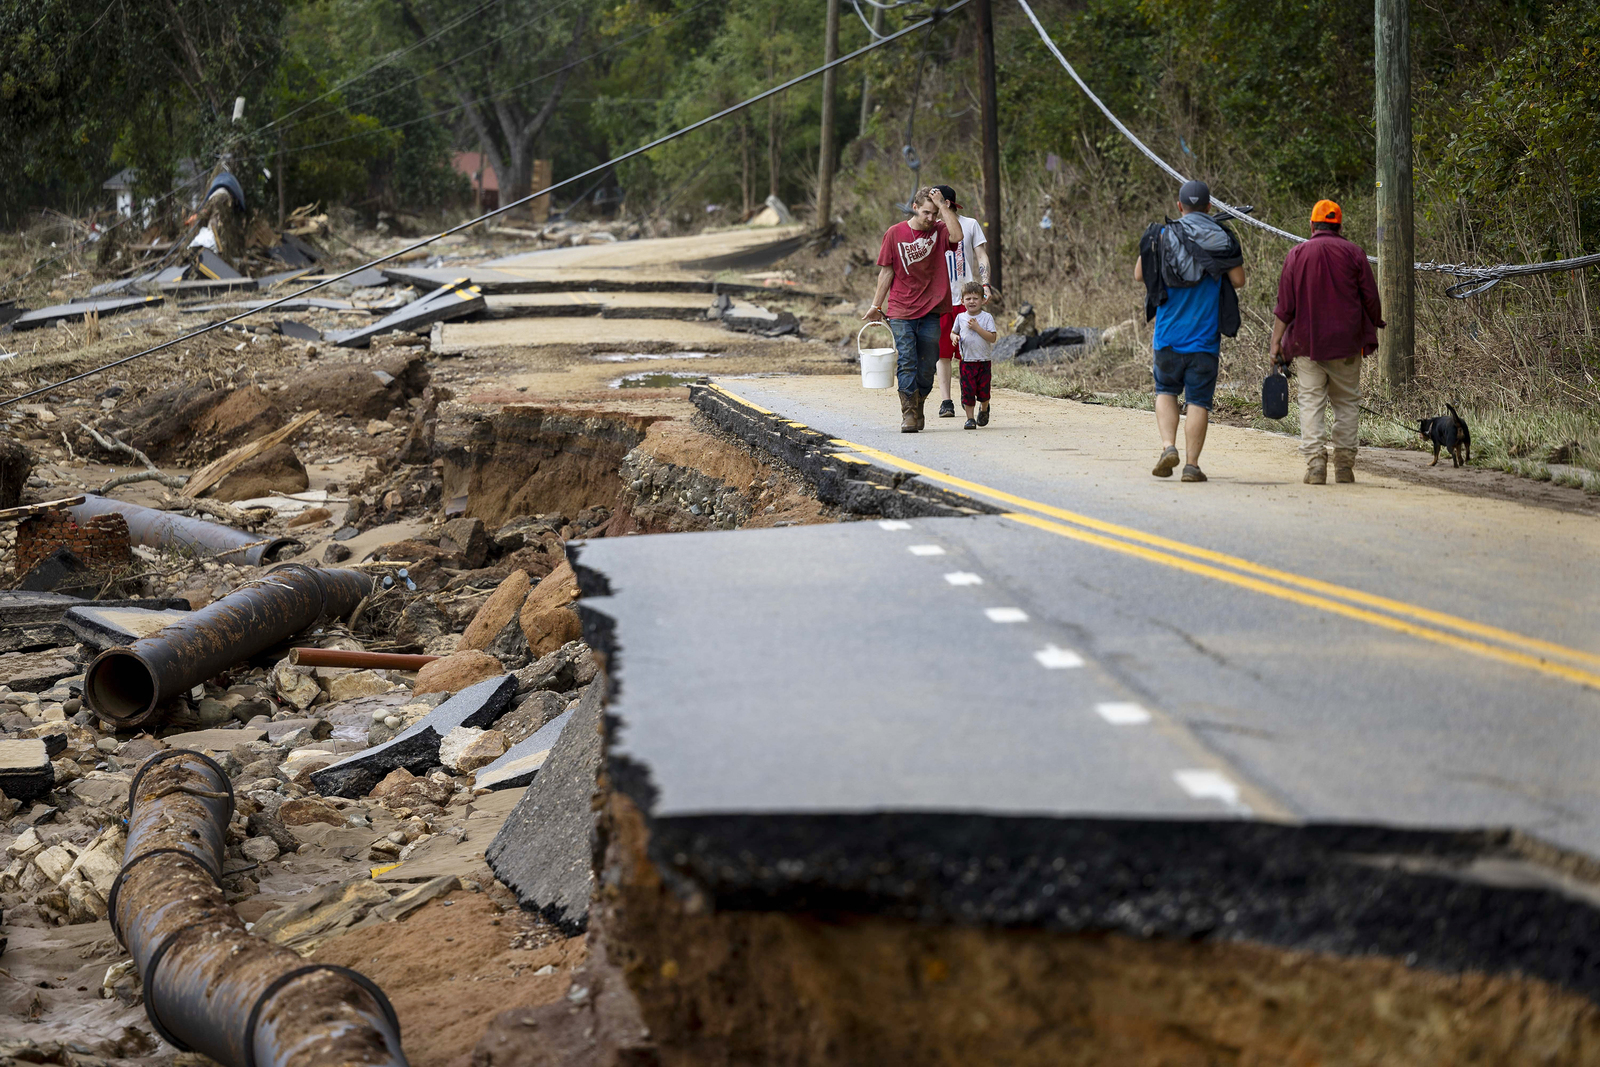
<point x="913" y="293"/>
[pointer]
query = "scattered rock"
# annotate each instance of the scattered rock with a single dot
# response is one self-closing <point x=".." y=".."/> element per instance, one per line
<point x="308" y="810"/>
<point x="260" y="849"/>
<point x="502" y="607"/>
<point x="379" y="426"/>
<point x="419" y="622"/>
<point x="401" y="788"/>
<point x="548" y="621"/>
<point x="335" y="553"/>
<point x="310" y="518"/>
<point x="531" y="713"/>
<point x="295" y="685"/>
<point x="467" y="539"/>
<point x="456" y="672"/>
<point x="523" y="761"/>
<point x="277" y="469"/>
<point x="569" y="667"/>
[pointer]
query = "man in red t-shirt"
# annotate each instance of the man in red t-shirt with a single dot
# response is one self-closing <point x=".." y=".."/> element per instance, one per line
<point x="913" y="291"/>
<point x="1328" y="312"/>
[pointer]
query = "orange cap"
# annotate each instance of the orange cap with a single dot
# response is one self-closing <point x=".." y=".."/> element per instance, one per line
<point x="1327" y="211"/>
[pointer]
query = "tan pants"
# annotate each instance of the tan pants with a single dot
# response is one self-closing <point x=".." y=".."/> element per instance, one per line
<point x="1332" y="383"/>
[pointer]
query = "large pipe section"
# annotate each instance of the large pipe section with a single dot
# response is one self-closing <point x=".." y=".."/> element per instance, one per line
<point x="376" y="661"/>
<point x="209" y="986"/>
<point x="166" y="529"/>
<point x="125" y="685"/>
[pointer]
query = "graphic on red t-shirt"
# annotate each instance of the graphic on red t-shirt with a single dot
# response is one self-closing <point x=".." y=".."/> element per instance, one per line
<point x="921" y="283"/>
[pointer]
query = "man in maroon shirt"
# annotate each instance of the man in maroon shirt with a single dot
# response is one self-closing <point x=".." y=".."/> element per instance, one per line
<point x="1328" y="312"/>
<point x="913" y="291"/>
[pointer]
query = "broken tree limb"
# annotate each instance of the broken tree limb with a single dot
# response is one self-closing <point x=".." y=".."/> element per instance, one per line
<point x="216" y="509"/>
<point x="211" y="987"/>
<point x="171" y="481"/>
<point x="214" y="472"/>
<point x="112" y="444"/>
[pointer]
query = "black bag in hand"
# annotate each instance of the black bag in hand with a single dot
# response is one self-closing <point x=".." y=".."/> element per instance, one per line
<point x="1275" y="395"/>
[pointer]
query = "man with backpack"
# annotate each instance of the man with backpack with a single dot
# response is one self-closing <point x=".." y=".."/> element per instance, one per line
<point x="1192" y="268"/>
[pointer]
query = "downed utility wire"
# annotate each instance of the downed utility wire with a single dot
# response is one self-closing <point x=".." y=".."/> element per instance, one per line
<point x="209" y="986"/>
<point x="513" y="205"/>
<point x="1480" y="279"/>
<point x="129" y="685"/>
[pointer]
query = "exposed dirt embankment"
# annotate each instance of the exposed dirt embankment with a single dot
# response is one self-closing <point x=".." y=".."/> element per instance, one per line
<point x="652" y="473"/>
<point x="797" y="988"/>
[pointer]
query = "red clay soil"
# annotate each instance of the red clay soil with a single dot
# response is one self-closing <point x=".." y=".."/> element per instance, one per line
<point x="454" y="964"/>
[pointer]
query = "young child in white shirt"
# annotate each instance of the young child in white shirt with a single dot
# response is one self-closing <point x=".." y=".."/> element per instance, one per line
<point x="974" y="335"/>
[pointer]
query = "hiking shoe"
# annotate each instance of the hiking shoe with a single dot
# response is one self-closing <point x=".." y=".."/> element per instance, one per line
<point x="971" y="425"/>
<point x="919" y="407"/>
<point x="983" y="415"/>
<point x="1344" y="466"/>
<point x="1191" y="473"/>
<point x="1317" y="470"/>
<point x="1164" y="465"/>
<point x="947" y="410"/>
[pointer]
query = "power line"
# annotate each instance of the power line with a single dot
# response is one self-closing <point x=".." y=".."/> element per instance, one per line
<point x="591" y="172"/>
<point x="503" y="92"/>
<point x="1479" y="279"/>
<point x="351" y="104"/>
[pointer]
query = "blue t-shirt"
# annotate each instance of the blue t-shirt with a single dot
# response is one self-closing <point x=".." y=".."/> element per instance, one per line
<point x="1190" y="320"/>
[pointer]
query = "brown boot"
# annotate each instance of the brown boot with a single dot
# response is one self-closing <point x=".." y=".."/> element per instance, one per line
<point x="921" y="404"/>
<point x="1317" y="469"/>
<point x="1344" y="465"/>
<point x="909" y="423"/>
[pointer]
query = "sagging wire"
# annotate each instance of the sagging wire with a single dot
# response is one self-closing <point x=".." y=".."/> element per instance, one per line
<point x="1479" y="279"/>
<point x="512" y="206"/>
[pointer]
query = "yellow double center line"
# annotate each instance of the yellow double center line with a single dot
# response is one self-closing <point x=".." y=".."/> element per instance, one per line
<point x="1490" y="642"/>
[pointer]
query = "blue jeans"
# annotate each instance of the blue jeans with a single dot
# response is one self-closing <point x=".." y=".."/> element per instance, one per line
<point x="917" y="341"/>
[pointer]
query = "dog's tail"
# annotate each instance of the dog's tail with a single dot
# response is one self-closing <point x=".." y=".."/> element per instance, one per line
<point x="1466" y="434"/>
<point x="1453" y="411"/>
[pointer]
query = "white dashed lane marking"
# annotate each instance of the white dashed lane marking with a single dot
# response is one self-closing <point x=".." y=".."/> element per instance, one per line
<point x="1208" y="785"/>
<point x="963" y="578"/>
<point x="925" y="550"/>
<point x="894" y="524"/>
<point x="1006" y="614"/>
<point x="1118" y="714"/>
<point x="1057" y="659"/>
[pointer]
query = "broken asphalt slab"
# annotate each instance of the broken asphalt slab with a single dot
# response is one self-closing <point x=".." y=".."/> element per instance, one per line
<point x="25" y="771"/>
<point x="111" y="627"/>
<point x="75" y="312"/>
<point x="545" y="851"/>
<point x="524" y="759"/>
<point x="417" y="748"/>
<point x="456" y="300"/>
<point x="33" y="672"/>
<point x="866" y="782"/>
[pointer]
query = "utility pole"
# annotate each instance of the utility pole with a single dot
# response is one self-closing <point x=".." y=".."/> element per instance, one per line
<point x="826" y="163"/>
<point x="866" y="77"/>
<point x="1396" y="248"/>
<point x="989" y="102"/>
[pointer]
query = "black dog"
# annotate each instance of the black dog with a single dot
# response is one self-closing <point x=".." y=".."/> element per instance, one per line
<point x="1450" y="433"/>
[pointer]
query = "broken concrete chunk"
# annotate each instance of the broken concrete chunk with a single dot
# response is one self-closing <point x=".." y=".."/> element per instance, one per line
<point x="523" y="760"/>
<point x="357" y="684"/>
<point x="412" y="899"/>
<point x="545" y="851"/>
<point x="296" y="686"/>
<point x="466" y="748"/>
<point x="213" y="740"/>
<point x="569" y="667"/>
<point x="25" y="770"/>
<point x="101" y="628"/>
<point x="418" y="747"/>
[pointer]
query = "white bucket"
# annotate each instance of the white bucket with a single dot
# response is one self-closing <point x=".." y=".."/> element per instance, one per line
<point x="877" y="364"/>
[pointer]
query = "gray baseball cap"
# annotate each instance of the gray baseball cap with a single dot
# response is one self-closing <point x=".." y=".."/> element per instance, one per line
<point x="1195" y="194"/>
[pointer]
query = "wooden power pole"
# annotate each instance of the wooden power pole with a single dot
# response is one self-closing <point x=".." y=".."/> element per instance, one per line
<point x="1396" y="247"/>
<point x="826" y="162"/>
<point x="991" y="139"/>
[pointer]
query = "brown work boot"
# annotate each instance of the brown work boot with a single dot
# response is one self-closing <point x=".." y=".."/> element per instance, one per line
<point x="920" y="408"/>
<point x="1344" y="465"/>
<point x="1317" y="469"/>
<point x="908" y="413"/>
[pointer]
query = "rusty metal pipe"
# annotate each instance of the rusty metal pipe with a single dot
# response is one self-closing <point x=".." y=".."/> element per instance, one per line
<point x="209" y="986"/>
<point x="338" y="657"/>
<point x="165" y="529"/>
<point x="126" y="685"/>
